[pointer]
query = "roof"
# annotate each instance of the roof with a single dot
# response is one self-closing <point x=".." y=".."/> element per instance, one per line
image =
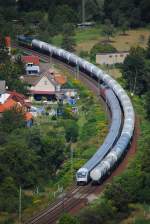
<point x="60" y="79"/>
<point x="10" y="103"/>
<point x="112" y="53"/>
<point x="2" y="86"/>
<point x="18" y="97"/>
<point x="31" y="59"/>
<point x="34" y="80"/>
<point x="31" y="79"/>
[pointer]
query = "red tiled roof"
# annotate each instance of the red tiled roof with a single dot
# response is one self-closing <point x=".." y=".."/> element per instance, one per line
<point x="60" y="79"/>
<point x="10" y="103"/>
<point x="31" y="59"/>
<point x="1" y="108"/>
<point x="18" y="97"/>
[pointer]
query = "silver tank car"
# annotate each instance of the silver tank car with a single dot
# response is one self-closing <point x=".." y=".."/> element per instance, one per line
<point x="129" y="117"/>
<point x="82" y="175"/>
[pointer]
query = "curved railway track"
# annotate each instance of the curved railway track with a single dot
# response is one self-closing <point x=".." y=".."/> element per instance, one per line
<point x="77" y="196"/>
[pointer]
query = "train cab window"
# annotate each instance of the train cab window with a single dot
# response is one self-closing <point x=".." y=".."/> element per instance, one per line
<point x="81" y="175"/>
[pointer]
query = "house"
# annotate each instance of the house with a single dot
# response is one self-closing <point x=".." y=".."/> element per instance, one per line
<point x="17" y="101"/>
<point x="111" y="58"/>
<point x="31" y="64"/>
<point x="46" y="85"/>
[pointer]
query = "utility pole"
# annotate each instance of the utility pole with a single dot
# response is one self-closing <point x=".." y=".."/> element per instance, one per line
<point x="50" y="59"/>
<point x="77" y="71"/>
<point x="71" y="159"/>
<point x="83" y="11"/>
<point x="20" y="204"/>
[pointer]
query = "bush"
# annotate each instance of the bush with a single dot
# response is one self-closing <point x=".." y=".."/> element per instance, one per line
<point x="101" y="48"/>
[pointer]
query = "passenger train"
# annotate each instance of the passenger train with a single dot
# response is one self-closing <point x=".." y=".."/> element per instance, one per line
<point x="116" y="141"/>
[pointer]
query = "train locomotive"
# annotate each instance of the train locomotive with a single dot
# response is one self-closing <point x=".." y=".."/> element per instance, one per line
<point x="116" y="141"/>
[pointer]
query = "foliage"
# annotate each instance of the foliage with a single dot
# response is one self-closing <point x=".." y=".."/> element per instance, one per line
<point x="11" y="72"/>
<point x="135" y="12"/>
<point x="68" y="40"/>
<point x="108" y="29"/>
<point x="134" y="71"/>
<point x="101" y="213"/>
<point x="147" y="104"/>
<point x="11" y="120"/>
<point x="101" y="48"/>
<point x="71" y="130"/>
<point x="67" y="219"/>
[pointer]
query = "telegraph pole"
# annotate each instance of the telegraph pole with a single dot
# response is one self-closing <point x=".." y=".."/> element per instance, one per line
<point x="83" y="11"/>
<point x="77" y="71"/>
<point x="71" y="158"/>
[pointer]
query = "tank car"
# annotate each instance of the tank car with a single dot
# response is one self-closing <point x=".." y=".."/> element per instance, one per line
<point x="83" y="174"/>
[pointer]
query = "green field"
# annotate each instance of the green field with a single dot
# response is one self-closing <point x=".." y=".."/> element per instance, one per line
<point x="85" y="39"/>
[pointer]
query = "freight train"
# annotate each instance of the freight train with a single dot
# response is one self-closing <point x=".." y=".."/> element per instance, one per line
<point x="118" y="139"/>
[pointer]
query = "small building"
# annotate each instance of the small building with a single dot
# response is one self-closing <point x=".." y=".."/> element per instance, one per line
<point x="43" y="86"/>
<point x="48" y="85"/>
<point x="31" y="64"/>
<point x="111" y="58"/>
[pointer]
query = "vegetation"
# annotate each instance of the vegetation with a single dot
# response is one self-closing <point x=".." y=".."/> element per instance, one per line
<point x="101" y="48"/>
<point x="68" y="41"/>
<point x="129" y="191"/>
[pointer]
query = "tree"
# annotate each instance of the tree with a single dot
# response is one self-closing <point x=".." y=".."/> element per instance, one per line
<point x="11" y="72"/>
<point x="108" y="29"/>
<point x="68" y="219"/>
<point x="68" y="40"/>
<point x="147" y="104"/>
<point x="148" y="48"/>
<point x="19" y="162"/>
<point x="134" y="71"/>
<point x="11" y="120"/>
<point x="124" y="24"/>
<point x="101" y="48"/>
<point x="8" y="195"/>
<point x="71" y="130"/>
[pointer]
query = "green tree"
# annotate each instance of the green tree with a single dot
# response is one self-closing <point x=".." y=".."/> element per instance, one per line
<point x="68" y="40"/>
<point x="101" y="48"/>
<point x="71" y="130"/>
<point x="19" y="162"/>
<point x="68" y="219"/>
<point x="11" y="72"/>
<point x="134" y="71"/>
<point x="8" y="195"/>
<point x="147" y="104"/>
<point x="11" y="120"/>
<point x="108" y="29"/>
<point x="148" y="48"/>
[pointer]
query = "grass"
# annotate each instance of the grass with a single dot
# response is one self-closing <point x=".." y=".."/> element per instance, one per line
<point x="85" y="39"/>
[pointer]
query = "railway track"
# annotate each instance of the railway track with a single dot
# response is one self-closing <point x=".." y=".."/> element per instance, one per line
<point x="77" y="195"/>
